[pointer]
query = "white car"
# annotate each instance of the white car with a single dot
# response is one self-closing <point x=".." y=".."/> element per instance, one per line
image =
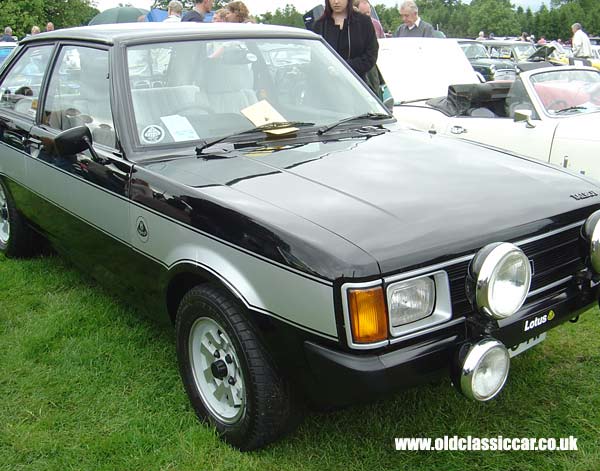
<point x="549" y="113"/>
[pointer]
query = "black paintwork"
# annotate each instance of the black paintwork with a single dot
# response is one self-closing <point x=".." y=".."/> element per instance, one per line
<point x="389" y="210"/>
<point x="484" y="65"/>
<point x="338" y="207"/>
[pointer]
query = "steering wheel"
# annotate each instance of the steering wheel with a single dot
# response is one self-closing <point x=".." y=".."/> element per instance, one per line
<point x="558" y="104"/>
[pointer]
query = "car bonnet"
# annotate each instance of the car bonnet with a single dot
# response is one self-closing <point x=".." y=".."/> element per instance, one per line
<point x="422" y="68"/>
<point x="400" y="197"/>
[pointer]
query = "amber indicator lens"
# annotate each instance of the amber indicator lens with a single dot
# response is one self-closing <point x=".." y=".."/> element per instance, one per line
<point x="368" y="315"/>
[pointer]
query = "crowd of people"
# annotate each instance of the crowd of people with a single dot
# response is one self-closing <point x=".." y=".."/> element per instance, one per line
<point x="233" y="12"/>
<point x="347" y="25"/>
<point x="580" y="42"/>
<point x="10" y="37"/>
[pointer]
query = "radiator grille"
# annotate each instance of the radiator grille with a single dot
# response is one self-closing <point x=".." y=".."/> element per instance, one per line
<point x="555" y="257"/>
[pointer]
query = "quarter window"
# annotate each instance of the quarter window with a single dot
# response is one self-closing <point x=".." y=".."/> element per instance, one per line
<point x="20" y="88"/>
<point x="78" y="93"/>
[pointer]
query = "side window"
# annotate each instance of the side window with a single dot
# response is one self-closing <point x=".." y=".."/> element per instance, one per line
<point x="78" y="93"/>
<point x="20" y="88"/>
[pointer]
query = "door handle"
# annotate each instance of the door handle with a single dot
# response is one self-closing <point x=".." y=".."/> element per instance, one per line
<point x="458" y="130"/>
<point x="32" y="142"/>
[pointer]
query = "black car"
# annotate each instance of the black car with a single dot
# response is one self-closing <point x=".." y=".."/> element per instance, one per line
<point x="302" y="243"/>
<point x="490" y="68"/>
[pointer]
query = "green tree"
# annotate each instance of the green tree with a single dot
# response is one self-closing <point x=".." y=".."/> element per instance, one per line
<point x="21" y="15"/>
<point x="389" y="17"/>
<point x="287" y="16"/>
<point x="495" y="16"/>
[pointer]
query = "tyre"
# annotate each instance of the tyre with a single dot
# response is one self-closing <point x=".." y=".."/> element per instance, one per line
<point x="16" y="237"/>
<point x="226" y="371"/>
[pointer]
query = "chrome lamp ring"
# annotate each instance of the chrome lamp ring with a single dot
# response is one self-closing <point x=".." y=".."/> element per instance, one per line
<point x="488" y="269"/>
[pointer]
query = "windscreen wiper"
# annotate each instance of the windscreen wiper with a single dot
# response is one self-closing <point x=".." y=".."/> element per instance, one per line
<point x="359" y="117"/>
<point x="406" y="102"/>
<point x="264" y="128"/>
<point x="571" y="108"/>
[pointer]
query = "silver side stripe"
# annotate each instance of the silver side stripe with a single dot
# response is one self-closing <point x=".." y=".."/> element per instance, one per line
<point x="269" y="288"/>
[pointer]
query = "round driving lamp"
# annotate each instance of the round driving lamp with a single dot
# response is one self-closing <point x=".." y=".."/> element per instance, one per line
<point x="502" y="275"/>
<point x="484" y="370"/>
<point x="591" y="231"/>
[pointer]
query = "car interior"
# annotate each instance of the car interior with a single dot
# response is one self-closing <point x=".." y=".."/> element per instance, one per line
<point x="229" y="77"/>
<point x="484" y="100"/>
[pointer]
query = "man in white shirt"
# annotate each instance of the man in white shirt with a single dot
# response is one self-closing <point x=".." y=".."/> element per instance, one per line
<point x="174" y="10"/>
<point x="581" y="43"/>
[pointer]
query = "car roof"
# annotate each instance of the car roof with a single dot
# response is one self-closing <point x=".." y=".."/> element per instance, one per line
<point x="8" y="44"/>
<point x="124" y="32"/>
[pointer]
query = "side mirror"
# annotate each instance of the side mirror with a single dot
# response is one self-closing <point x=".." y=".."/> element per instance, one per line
<point x="73" y="141"/>
<point x="524" y="115"/>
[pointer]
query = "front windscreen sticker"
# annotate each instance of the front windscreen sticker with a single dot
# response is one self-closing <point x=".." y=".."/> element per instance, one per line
<point x="179" y="127"/>
<point x="262" y="113"/>
<point x="152" y="134"/>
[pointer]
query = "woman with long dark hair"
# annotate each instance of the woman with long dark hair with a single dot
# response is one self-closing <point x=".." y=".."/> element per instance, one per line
<point x="350" y="33"/>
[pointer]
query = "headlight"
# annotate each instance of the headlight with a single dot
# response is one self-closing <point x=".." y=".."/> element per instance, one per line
<point x="503" y="277"/>
<point x="410" y="301"/>
<point x="484" y="370"/>
<point x="592" y="233"/>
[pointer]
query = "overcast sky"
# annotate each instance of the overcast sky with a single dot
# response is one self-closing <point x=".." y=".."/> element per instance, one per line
<point x="258" y="7"/>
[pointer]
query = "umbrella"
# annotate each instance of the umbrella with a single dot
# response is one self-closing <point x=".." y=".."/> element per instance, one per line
<point x="156" y="14"/>
<point x="118" y="15"/>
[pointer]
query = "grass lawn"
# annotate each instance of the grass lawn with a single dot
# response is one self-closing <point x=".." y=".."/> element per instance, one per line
<point x="87" y="383"/>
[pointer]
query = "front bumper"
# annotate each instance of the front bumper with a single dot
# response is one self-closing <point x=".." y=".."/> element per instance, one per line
<point x="342" y="377"/>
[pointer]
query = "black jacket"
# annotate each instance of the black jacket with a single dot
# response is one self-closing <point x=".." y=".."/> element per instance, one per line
<point x="356" y="42"/>
<point x="193" y="15"/>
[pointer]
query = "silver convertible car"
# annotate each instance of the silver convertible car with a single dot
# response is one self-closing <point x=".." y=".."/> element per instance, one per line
<point x="550" y="113"/>
<point x="242" y="183"/>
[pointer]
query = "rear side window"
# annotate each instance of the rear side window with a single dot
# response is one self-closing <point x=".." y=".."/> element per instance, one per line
<point x="20" y="88"/>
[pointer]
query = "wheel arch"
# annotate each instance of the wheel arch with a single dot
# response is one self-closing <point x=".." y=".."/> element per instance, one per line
<point x="184" y="276"/>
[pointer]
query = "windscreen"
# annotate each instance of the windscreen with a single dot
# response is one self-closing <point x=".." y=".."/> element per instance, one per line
<point x="567" y="91"/>
<point x="194" y="90"/>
